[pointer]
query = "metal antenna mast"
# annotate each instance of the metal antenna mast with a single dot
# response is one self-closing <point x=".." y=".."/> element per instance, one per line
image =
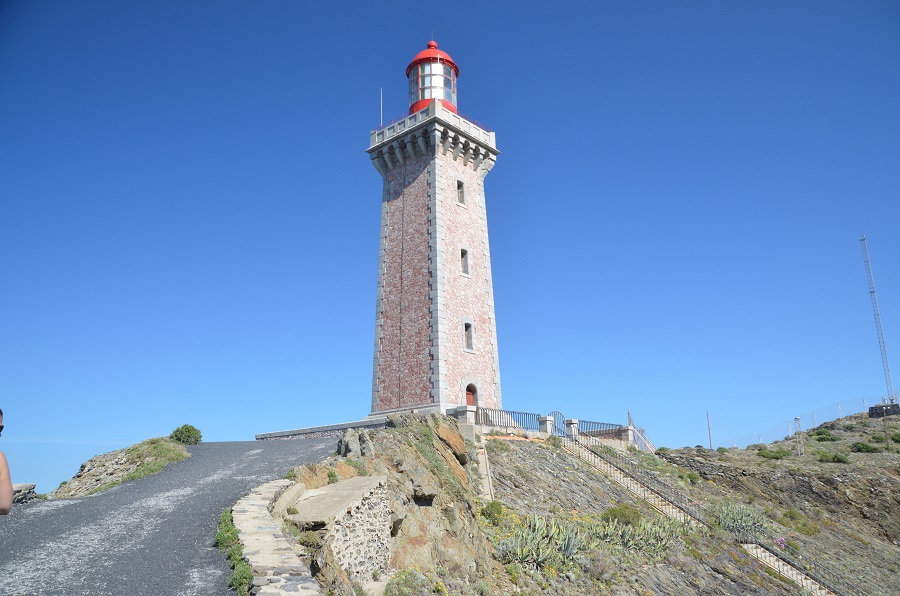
<point x="884" y="357"/>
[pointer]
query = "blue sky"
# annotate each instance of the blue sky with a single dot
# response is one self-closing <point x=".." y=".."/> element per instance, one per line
<point x="189" y="221"/>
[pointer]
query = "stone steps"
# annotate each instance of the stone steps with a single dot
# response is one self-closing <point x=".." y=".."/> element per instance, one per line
<point x="786" y="569"/>
<point x="671" y="510"/>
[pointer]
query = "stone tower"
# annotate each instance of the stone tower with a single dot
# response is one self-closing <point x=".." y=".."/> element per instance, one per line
<point x="435" y="331"/>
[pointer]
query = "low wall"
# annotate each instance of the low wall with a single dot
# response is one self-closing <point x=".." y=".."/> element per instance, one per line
<point x="335" y="431"/>
<point x="360" y="538"/>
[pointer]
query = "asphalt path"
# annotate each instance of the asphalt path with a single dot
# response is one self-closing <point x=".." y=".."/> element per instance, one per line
<point x="151" y="536"/>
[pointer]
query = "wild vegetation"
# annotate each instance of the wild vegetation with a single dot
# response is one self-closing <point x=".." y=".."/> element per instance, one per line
<point x="147" y="458"/>
<point x="186" y="435"/>
<point x="228" y="542"/>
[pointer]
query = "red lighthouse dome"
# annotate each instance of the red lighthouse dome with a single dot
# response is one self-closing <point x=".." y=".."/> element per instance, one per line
<point x="432" y="75"/>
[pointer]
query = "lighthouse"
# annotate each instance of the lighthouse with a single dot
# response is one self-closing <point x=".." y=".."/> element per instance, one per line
<point x="435" y="329"/>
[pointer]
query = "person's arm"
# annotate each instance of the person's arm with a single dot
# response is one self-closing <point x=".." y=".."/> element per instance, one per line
<point x="5" y="486"/>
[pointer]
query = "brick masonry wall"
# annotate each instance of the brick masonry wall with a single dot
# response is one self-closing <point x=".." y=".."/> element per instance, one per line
<point x="403" y="319"/>
<point x="424" y="299"/>
<point x="466" y="298"/>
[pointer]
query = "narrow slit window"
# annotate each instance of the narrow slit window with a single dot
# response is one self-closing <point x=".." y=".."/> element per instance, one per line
<point x="464" y="261"/>
<point x="467" y="330"/>
<point x="460" y="192"/>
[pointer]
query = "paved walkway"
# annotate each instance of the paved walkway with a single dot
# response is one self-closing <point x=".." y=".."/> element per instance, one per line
<point x="146" y="537"/>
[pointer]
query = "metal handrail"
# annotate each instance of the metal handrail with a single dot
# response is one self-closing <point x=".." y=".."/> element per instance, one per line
<point x="507" y="419"/>
<point x="629" y="468"/>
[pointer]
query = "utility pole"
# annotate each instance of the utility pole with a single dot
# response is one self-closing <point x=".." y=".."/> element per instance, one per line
<point x="709" y="429"/>
<point x="884" y="357"/>
<point x="799" y="436"/>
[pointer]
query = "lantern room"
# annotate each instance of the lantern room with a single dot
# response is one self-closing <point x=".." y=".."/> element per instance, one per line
<point x="432" y="75"/>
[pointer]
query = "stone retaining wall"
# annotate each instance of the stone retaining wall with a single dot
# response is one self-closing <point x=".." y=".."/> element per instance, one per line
<point x="360" y="538"/>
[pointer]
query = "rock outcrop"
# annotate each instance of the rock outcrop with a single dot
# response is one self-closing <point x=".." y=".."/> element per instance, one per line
<point x="431" y="511"/>
<point x="22" y="493"/>
<point x="96" y="472"/>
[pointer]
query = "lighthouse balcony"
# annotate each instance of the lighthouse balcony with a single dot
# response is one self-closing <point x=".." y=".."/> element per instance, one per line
<point x="435" y="110"/>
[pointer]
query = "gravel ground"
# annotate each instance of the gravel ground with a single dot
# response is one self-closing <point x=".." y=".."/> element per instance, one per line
<point x="146" y="537"/>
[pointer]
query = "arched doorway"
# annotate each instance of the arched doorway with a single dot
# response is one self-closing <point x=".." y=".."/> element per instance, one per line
<point x="471" y="395"/>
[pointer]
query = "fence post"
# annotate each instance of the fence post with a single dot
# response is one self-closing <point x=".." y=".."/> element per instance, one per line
<point x="465" y="414"/>
<point x="572" y="428"/>
<point x="545" y="424"/>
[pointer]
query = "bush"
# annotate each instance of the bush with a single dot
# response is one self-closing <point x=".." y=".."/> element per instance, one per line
<point x="740" y="519"/>
<point x="863" y="447"/>
<point x="492" y="512"/>
<point x="186" y="435"/>
<point x="878" y="438"/>
<point x="692" y="477"/>
<point x="722" y="449"/>
<point x="409" y="582"/>
<point x="757" y="446"/>
<point x="624" y="513"/>
<point x="895" y="437"/>
<point x="837" y="458"/>
<point x="823" y="435"/>
<point x="496" y="446"/>
<point x="779" y="453"/>
<point x="554" y="441"/>
<point x="227" y="541"/>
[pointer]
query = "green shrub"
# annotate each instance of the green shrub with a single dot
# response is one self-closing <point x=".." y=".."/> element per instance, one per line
<point x="359" y="466"/>
<point x="662" y="450"/>
<point x="496" y="446"/>
<point x="838" y="458"/>
<point x="186" y="435"/>
<point x="332" y="477"/>
<point x="823" y="435"/>
<point x="739" y="519"/>
<point x="895" y="437"/>
<point x="409" y="582"/>
<point x="543" y="542"/>
<point x="241" y="578"/>
<point x="757" y="446"/>
<point x="779" y="453"/>
<point x="691" y="477"/>
<point x="722" y="449"/>
<point x="878" y="438"/>
<point x="792" y="518"/>
<point x="553" y="441"/>
<point x="863" y="447"/>
<point x="492" y="512"/>
<point x="228" y="542"/>
<point x="624" y="514"/>
<point x="310" y="540"/>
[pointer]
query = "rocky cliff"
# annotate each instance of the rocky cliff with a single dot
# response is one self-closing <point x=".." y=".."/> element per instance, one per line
<point x="561" y="527"/>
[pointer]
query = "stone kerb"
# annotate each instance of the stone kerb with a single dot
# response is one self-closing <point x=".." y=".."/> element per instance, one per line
<point x="276" y="567"/>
